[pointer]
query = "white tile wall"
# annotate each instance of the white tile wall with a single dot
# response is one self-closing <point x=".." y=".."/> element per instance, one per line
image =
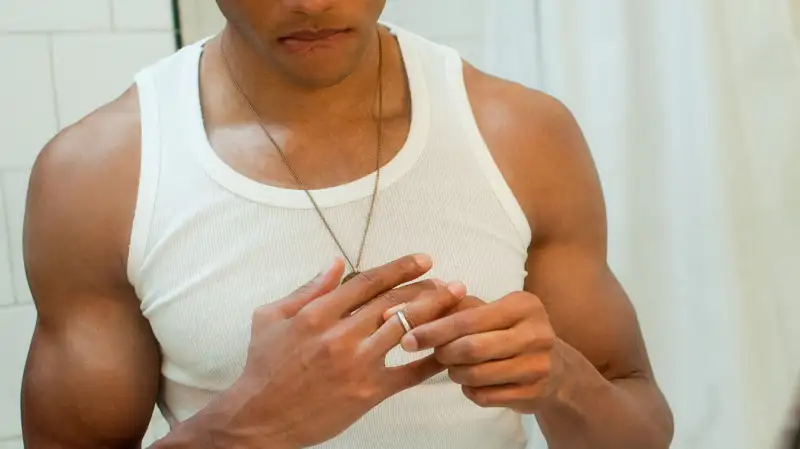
<point x="16" y="328"/>
<point x="6" y="284"/>
<point x="457" y="23"/>
<point x="13" y="443"/>
<point x="27" y="108"/>
<point x="49" y="16"/>
<point x="85" y="79"/>
<point x="14" y="187"/>
<point x="62" y="59"/>
<point x="142" y="15"/>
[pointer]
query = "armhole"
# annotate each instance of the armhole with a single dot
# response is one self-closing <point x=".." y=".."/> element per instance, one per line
<point x="480" y="149"/>
<point x="148" y="174"/>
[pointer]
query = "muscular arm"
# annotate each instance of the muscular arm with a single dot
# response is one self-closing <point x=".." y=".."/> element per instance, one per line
<point x="93" y="368"/>
<point x="92" y="373"/>
<point x="611" y="393"/>
<point x="610" y="398"/>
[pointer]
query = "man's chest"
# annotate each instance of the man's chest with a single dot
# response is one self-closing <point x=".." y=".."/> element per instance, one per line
<point x="203" y="280"/>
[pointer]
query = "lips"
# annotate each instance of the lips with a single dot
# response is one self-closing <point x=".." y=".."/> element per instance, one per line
<point x="315" y="35"/>
<point x="305" y="41"/>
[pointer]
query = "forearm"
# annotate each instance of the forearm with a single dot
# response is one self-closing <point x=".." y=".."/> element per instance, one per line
<point x="216" y="427"/>
<point x="592" y="412"/>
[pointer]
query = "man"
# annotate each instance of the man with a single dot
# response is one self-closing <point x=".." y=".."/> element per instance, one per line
<point x="167" y="233"/>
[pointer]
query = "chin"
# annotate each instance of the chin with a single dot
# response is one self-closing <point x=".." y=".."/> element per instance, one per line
<point x="309" y="77"/>
<point x="322" y="72"/>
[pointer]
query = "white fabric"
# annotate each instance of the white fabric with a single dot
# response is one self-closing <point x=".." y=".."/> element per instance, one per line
<point x="692" y="108"/>
<point x="209" y="246"/>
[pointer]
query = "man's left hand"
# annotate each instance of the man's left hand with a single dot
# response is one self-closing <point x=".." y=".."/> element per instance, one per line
<point x="504" y="354"/>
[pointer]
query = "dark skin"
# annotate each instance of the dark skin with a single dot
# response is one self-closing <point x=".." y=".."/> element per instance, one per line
<point x="567" y="349"/>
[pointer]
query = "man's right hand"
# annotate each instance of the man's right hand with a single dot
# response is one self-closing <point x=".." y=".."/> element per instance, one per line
<point x="316" y="362"/>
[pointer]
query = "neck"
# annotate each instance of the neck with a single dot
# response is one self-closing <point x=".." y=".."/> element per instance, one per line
<point x="265" y="86"/>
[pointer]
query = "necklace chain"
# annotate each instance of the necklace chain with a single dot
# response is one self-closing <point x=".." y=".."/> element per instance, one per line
<point x="353" y="266"/>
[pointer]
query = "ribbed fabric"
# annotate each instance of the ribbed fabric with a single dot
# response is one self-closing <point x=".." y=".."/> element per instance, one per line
<point x="209" y="246"/>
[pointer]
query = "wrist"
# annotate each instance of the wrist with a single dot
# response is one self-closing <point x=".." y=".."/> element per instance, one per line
<point x="576" y="379"/>
<point x="226" y="423"/>
<point x="235" y="426"/>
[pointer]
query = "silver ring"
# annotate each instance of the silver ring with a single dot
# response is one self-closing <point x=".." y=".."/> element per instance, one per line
<point x="404" y="320"/>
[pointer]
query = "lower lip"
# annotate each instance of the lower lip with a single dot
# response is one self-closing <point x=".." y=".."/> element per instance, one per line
<point x="306" y="45"/>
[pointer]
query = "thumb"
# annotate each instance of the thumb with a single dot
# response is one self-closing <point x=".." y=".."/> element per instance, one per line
<point x="325" y="282"/>
<point x="400" y="378"/>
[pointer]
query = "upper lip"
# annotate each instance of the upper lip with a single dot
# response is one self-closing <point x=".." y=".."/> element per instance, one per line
<point x="311" y="35"/>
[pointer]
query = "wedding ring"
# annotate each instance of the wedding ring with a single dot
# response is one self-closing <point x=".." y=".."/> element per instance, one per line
<point x="404" y="320"/>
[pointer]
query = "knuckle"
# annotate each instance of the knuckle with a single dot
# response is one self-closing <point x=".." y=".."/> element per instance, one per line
<point x="367" y="279"/>
<point x="469" y="349"/>
<point x="462" y="325"/>
<point x="265" y="315"/>
<point x="464" y="376"/>
<point x="544" y="336"/>
<point x="457" y="376"/>
<point x="530" y="343"/>
<point x="528" y="307"/>
<point x="332" y="345"/>
<point x="309" y="320"/>
<point x="479" y="398"/>
<point x="370" y="281"/>
<point x="365" y="394"/>
<point x="543" y="365"/>
<point x="548" y="339"/>
<point x="390" y="299"/>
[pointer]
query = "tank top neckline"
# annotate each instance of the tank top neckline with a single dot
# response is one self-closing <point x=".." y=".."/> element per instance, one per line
<point x="391" y="171"/>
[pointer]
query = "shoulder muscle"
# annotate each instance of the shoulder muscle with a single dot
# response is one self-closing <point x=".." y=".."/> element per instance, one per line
<point x="540" y="149"/>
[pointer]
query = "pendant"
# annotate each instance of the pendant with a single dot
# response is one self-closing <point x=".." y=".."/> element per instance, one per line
<point x="350" y="277"/>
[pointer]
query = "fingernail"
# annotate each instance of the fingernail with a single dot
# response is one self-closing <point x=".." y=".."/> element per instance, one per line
<point x="458" y="289"/>
<point x="409" y="343"/>
<point x="423" y="260"/>
<point x="390" y="312"/>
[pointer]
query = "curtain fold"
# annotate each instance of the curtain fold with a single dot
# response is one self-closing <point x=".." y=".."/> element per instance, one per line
<point x="692" y="108"/>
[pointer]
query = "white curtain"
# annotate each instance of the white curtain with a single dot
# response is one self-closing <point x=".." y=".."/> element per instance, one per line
<point x="692" y="108"/>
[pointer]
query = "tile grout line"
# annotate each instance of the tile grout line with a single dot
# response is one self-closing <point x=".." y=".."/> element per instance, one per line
<point x="89" y="31"/>
<point x="7" y="228"/>
<point x="11" y="438"/>
<point x="112" y="25"/>
<point x="53" y="84"/>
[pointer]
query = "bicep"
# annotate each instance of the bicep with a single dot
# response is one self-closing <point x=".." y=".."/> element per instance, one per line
<point x="91" y="378"/>
<point x="588" y="308"/>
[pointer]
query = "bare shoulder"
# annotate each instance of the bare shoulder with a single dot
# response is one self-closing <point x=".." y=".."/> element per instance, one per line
<point x="82" y="194"/>
<point x="540" y="149"/>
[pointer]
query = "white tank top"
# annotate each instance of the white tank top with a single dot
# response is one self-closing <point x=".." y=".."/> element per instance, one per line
<point x="210" y="245"/>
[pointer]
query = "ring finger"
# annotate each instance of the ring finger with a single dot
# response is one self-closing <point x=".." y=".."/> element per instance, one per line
<point x="432" y="304"/>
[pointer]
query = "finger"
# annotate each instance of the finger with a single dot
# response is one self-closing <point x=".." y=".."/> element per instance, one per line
<point x="369" y="284"/>
<point x="484" y="347"/>
<point x="518" y="370"/>
<point x="507" y="396"/>
<point x="475" y="320"/>
<point x="429" y="306"/>
<point x="403" y="377"/>
<point x="369" y="318"/>
<point x="325" y="282"/>
<point x="467" y="302"/>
